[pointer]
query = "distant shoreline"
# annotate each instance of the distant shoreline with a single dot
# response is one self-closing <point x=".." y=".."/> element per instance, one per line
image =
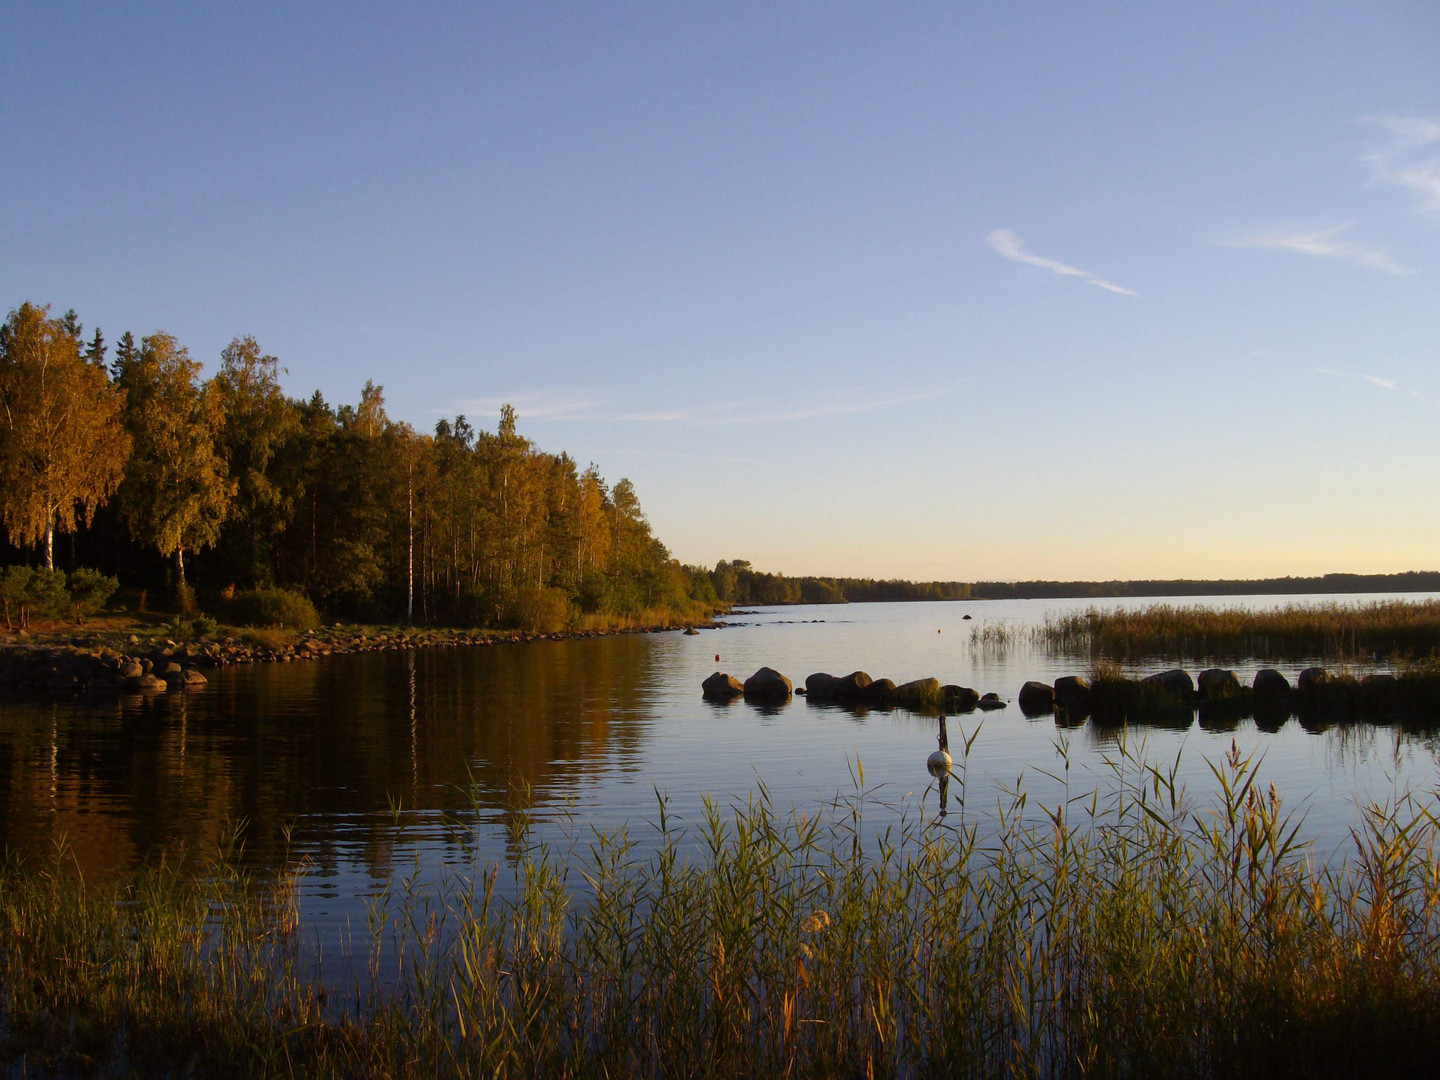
<point x="823" y="590"/>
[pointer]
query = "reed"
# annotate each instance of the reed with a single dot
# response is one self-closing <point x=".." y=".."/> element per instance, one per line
<point x="1125" y="932"/>
<point x="1389" y="628"/>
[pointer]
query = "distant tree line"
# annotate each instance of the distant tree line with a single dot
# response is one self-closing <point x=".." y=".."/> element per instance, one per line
<point x="736" y="582"/>
<point x="135" y="465"/>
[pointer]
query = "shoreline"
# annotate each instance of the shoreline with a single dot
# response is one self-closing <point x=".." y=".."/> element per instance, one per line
<point x="98" y="665"/>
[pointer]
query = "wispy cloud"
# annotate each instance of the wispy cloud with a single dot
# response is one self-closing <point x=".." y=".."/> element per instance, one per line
<point x="1408" y="156"/>
<point x="1007" y="245"/>
<point x="1374" y="380"/>
<point x="1321" y="243"/>
<point x="580" y="407"/>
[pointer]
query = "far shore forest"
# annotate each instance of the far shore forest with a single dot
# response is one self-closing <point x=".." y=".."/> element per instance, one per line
<point x="125" y="465"/>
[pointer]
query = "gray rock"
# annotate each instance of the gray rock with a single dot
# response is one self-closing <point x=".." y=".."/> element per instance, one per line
<point x="1037" y="698"/>
<point x="1175" y="683"/>
<point x="852" y="687"/>
<point x="821" y="686"/>
<point x="1311" y="679"/>
<point x="1072" y="692"/>
<point x="720" y="686"/>
<point x="1218" y="684"/>
<point x="990" y="702"/>
<point x="1270" y="684"/>
<point x="880" y="692"/>
<point x="919" y="692"/>
<point x="767" y="684"/>
<point x="955" y="698"/>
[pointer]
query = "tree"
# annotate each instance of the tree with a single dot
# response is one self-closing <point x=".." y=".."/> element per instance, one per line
<point x="257" y="422"/>
<point x="177" y="493"/>
<point x="62" y="447"/>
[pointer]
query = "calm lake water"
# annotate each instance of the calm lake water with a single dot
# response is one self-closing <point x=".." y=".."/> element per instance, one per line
<point x="374" y="764"/>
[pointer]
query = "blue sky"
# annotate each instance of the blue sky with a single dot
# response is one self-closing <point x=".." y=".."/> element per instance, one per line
<point x="938" y="291"/>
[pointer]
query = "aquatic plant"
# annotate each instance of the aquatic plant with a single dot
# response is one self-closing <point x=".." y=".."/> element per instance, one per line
<point x="1387" y="628"/>
<point x="1123" y="931"/>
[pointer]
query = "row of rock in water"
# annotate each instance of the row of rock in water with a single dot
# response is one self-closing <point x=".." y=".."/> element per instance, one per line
<point x="1115" y="696"/>
<point x="857" y="688"/>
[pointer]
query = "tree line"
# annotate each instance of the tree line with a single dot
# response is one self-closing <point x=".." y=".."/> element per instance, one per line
<point x="737" y="582"/>
<point x="132" y="463"/>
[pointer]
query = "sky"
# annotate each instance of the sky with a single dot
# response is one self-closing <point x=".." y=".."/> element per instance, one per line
<point x="964" y="291"/>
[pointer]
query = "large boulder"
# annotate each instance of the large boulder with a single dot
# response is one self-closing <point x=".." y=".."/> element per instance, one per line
<point x="821" y="687"/>
<point x="991" y="701"/>
<point x="852" y="687"/>
<point x="1175" y="684"/>
<point x="880" y="692"/>
<point x="767" y="684"/>
<point x="1218" y="684"/>
<point x="1072" y="693"/>
<point x="919" y="692"/>
<point x="955" y="698"/>
<point x="1311" y="679"/>
<point x="720" y="687"/>
<point x="1036" y="698"/>
<point x="1270" y="685"/>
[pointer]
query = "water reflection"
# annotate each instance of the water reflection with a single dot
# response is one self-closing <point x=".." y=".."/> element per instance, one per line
<point x="325" y="745"/>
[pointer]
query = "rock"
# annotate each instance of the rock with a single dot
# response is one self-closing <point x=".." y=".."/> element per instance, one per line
<point x="1218" y="684"/>
<point x="919" y="692"/>
<point x="1270" y="684"/>
<point x="690" y="631"/>
<point x="990" y="702"/>
<point x="1036" y="698"/>
<point x="767" y="684"/>
<point x="722" y="687"/>
<point x="967" y="617"/>
<point x="1072" y="693"/>
<point x="146" y="683"/>
<point x="852" y="687"/>
<point x="1311" y="679"/>
<point x="880" y="692"/>
<point x="821" y="686"/>
<point x="169" y="669"/>
<point x="192" y="678"/>
<point x="955" y="698"/>
<point x="1175" y="683"/>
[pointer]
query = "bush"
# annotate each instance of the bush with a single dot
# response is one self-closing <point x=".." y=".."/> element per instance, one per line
<point x="542" y="611"/>
<point x="273" y="607"/>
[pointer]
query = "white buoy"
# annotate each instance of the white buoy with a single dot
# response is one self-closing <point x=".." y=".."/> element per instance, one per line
<point x="938" y="763"/>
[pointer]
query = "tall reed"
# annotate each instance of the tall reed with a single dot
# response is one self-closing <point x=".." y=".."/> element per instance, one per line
<point x="1123" y="931"/>
<point x="1388" y="628"/>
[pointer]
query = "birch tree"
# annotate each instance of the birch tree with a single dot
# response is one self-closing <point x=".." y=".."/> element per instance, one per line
<point x="62" y="447"/>
<point x="177" y="493"/>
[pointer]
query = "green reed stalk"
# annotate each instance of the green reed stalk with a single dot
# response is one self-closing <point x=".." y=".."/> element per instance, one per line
<point x="1124" y="931"/>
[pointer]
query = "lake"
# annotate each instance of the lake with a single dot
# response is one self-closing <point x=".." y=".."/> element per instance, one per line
<point x="370" y="764"/>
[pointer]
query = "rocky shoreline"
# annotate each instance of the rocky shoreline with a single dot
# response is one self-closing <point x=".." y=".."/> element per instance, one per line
<point x="85" y="667"/>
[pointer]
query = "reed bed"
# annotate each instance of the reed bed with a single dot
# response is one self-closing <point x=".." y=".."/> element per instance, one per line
<point x="1121" y="933"/>
<point x="1387" y="628"/>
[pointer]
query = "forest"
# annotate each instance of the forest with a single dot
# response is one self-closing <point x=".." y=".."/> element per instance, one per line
<point x="194" y="492"/>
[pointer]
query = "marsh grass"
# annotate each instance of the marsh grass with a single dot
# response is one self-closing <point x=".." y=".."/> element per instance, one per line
<point x="1120" y="932"/>
<point x="1388" y="628"/>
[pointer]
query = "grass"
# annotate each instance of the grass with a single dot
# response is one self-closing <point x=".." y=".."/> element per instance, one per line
<point x="1389" y="628"/>
<point x="1125" y="932"/>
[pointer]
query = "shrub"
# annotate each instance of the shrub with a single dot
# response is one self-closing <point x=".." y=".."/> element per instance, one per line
<point x="273" y="607"/>
<point x="541" y="610"/>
